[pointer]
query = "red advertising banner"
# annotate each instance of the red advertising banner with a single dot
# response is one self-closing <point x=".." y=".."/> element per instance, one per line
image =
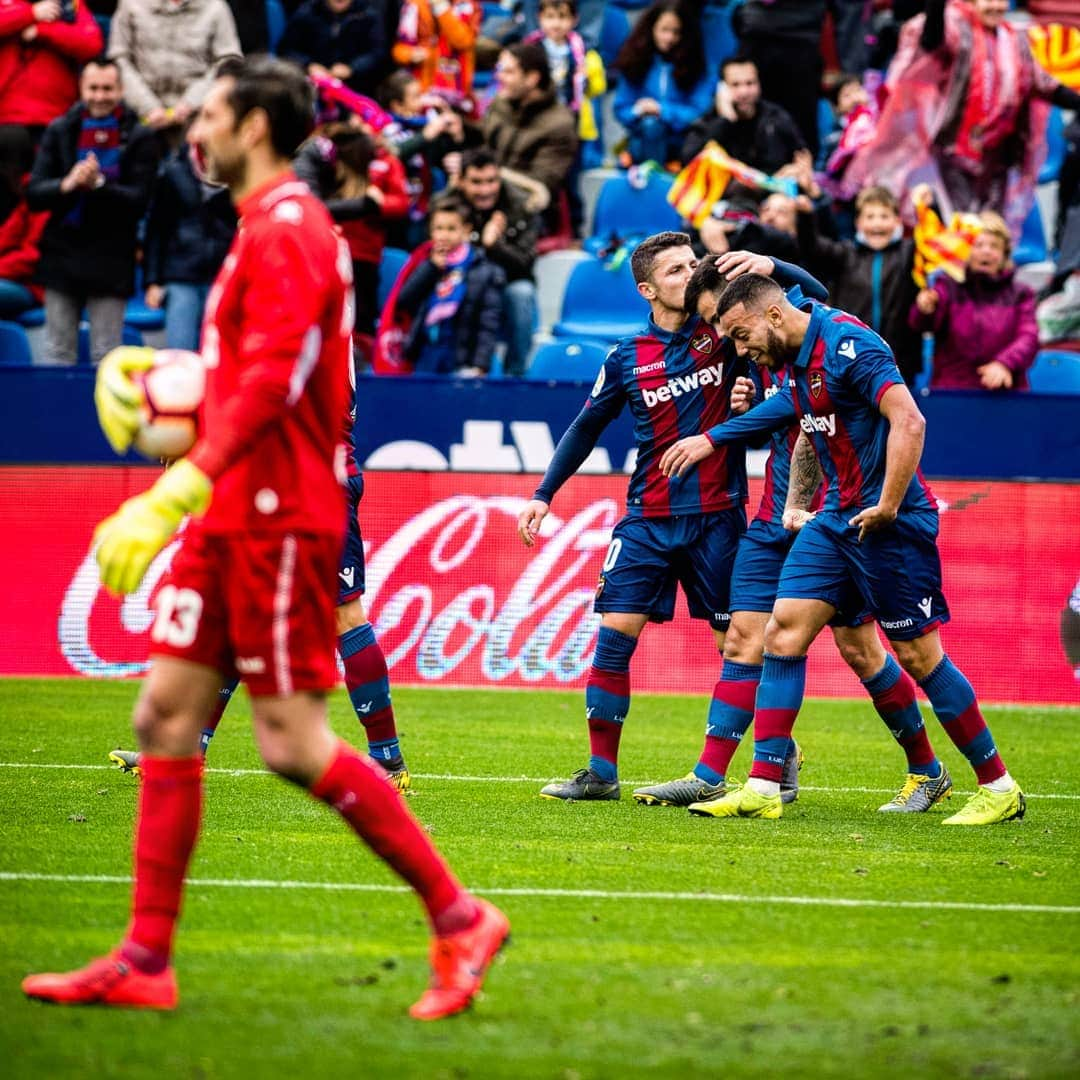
<point x="456" y="598"/>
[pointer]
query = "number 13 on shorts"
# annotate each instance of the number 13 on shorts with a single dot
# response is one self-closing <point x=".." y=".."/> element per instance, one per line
<point x="178" y="614"/>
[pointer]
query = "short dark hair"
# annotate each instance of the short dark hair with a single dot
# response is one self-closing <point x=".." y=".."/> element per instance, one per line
<point x="104" y="61"/>
<point x="393" y="87"/>
<point x="846" y="79"/>
<point x="705" y="278"/>
<point x="570" y="5"/>
<point x="450" y="203"/>
<point x="738" y="58"/>
<point x="532" y="56"/>
<point x="751" y="290"/>
<point x="641" y="261"/>
<point x="477" y="157"/>
<point x="277" y="87"/>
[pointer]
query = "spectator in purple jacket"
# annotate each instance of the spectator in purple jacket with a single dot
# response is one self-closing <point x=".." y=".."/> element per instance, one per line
<point x="985" y="332"/>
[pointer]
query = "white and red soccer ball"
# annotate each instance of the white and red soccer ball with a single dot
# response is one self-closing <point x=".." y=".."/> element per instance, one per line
<point x="173" y="390"/>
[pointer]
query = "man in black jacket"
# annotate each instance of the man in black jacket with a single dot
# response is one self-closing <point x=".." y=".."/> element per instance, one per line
<point x="507" y="232"/>
<point x="752" y="130"/>
<point x="342" y="38"/>
<point x="95" y="171"/>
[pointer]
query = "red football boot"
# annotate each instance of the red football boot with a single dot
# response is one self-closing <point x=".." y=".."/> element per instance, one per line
<point x="109" y="980"/>
<point x="459" y="962"/>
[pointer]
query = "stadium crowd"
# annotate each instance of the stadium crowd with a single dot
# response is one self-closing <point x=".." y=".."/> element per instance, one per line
<point x="460" y="142"/>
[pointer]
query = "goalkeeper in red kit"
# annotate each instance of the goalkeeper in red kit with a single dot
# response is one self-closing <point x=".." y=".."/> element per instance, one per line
<point x="246" y="592"/>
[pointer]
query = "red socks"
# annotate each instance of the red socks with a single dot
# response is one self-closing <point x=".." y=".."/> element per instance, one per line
<point x="166" y="828"/>
<point x="361" y="794"/>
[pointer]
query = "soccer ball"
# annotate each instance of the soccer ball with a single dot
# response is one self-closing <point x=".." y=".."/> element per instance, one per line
<point x="173" y="390"/>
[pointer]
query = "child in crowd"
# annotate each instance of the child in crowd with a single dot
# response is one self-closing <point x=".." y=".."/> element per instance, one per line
<point x="363" y="186"/>
<point x="984" y="327"/>
<point x="871" y="275"/>
<point x="454" y="298"/>
<point x="663" y="89"/>
<point x="425" y="130"/>
<point x="577" y="73"/>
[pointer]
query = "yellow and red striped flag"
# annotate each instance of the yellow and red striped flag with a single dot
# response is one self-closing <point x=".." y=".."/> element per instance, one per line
<point x="700" y="185"/>
<point x="1056" y="48"/>
<point x="938" y="247"/>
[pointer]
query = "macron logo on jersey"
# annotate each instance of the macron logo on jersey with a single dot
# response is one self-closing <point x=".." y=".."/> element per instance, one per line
<point x="825" y="424"/>
<point x="683" y="384"/>
<point x="847" y="349"/>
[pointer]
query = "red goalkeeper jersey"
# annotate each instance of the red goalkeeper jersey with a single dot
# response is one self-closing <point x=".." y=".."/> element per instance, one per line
<point x="276" y="339"/>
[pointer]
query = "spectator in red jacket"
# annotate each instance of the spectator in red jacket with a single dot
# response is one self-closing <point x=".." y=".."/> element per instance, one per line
<point x="363" y="186"/>
<point x="984" y="328"/>
<point x="20" y="228"/>
<point x="42" y="47"/>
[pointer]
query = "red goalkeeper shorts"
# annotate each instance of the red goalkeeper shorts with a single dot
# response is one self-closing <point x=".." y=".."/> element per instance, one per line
<point x="261" y="606"/>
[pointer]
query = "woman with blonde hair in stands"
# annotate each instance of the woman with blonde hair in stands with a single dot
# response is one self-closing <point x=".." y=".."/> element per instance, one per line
<point x="984" y="327"/>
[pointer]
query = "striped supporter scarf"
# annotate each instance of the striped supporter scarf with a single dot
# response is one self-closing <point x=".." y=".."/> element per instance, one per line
<point x="99" y="136"/>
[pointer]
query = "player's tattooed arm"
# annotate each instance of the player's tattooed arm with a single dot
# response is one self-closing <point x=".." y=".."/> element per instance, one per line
<point x="804" y="479"/>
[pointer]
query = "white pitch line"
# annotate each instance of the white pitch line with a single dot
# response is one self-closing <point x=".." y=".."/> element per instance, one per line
<point x="496" y="779"/>
<point x="568" y="894"/>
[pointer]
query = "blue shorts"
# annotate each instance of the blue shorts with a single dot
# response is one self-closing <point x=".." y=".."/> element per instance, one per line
<point x="648" y="557"/>
<point x="351" y="571"/>
<point x="758" y="565"/>
<point x="895" y="572"/>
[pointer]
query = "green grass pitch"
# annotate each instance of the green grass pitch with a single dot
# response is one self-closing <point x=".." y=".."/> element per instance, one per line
<point x="835" y="942"/>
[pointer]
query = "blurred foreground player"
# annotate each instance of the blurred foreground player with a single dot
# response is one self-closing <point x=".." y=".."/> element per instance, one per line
<point x="247" y="588"/>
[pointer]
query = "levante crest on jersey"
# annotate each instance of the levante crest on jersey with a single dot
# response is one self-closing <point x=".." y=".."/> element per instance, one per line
<point x="816" y="382"/>
<point x="703" y="344"/>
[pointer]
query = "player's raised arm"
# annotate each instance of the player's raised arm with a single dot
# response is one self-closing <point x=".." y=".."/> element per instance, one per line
<point x="907" y="433"/>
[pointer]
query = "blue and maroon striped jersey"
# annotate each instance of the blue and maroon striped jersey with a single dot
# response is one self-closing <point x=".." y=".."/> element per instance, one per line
<point x="676" y="383"/>
<point x="838" y="379"/>
<point x="841" y="374"/>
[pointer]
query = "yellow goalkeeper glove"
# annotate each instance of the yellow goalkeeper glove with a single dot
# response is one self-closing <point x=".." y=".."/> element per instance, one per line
<point x="117" y="396"/>
<point x="128" y="541"/>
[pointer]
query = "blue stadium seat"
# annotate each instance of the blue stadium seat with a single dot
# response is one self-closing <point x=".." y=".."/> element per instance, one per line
<point x="1055" y="373"/>
<point x="14" y="345"/>
<point x="275" y="22"/>
<point x="33" y="318"/>
<point x="600" y="304"/>
<point x="627" y="212"/>
<point x="826" y="119"/>
<point x="1055" y="147"/>
<point x="141" y="318"/>
<point x="718" y="35"/>
<point x="613" y="32"/>
<point x="1032" y="246"/>
<point x="567" y="361"/>
<point x="393" y="259"/>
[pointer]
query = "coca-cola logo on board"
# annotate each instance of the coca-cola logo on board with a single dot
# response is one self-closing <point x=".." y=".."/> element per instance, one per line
<point x="452" y="593"/>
